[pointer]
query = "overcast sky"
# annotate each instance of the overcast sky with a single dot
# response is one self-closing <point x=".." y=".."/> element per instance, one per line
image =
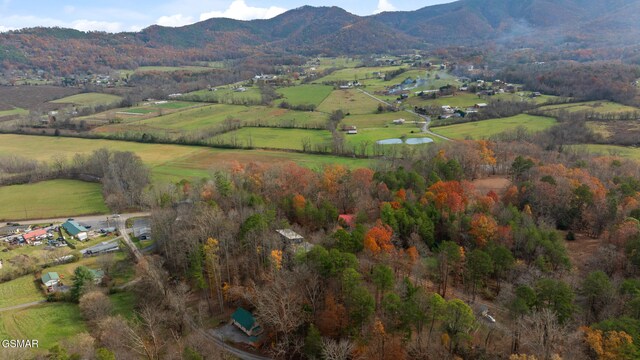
<point x="133" y="15"/>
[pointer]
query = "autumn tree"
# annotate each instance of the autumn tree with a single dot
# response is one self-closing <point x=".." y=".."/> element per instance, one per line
<point x="610" y="345"/>
<point x="378" y="239"/>
<point x="483" y="229"/>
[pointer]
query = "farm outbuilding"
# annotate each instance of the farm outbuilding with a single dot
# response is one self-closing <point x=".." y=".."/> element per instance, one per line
<point x="50" y="279"/>
<point x="245" y="321"/>
<point x="76" y="230"/>
<point x="290" y="235"/>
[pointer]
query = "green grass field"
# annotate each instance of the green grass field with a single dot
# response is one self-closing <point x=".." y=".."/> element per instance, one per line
<point x="167" y="162"/>
<point x="601" y="107"/>
<point x="48" y="323"/>
<point x="305" y="94"/>
<point x="172" y="68"/>
<point x="392" y="132"/>
<point x="274" y="137"/>
<point x="379" y="120"/>
<point x="225" y="95"/>
<point x="15" y="111"/>
<point x="359" y="74"/>
<point x="461" y="100"/>
<point x="89" y="99"/>
<point x="213" y="115"/>
<point x="339" y="62"/>
<point x="22" y="290"/>
<point x="610" y="150"/>
<point x="47" y="199"/>
<point x="349" y="101"/>
<point x="487" y="128"/>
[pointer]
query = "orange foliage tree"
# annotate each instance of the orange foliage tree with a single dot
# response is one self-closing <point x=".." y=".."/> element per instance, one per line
<point x="612" y="345"/>
<point x="378" y="239"/>
<point x="483" y="229"/>
<point x="448" y="196"/>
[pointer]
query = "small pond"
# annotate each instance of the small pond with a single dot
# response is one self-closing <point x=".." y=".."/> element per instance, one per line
<point x="411" y="141"/>
<point x="416" y="141"/>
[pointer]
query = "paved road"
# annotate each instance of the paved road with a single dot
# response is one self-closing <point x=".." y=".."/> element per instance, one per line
<point x="22" y="306"/>
<point x="96" y="221"/>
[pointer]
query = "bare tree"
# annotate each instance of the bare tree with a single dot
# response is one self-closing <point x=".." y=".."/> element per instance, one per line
<point x="280" y="303"/>
<point x="95" y="306"/>
<point x="337" y="349"/>
<point x="543" y="333"/>
<point x="81" y="344"/>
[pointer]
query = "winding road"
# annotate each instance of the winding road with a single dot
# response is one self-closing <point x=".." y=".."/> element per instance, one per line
<point x="427" y="119"/>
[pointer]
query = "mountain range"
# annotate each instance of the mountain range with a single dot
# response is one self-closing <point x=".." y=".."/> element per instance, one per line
<point x="333" y="31"/>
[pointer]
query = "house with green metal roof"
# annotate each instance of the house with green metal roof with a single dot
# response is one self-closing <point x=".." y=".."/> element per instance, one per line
<point x="76" y="230"/>
<point x="50" y="279"/>
<point x="245" y="321"/>
<point x="97" y="275"/>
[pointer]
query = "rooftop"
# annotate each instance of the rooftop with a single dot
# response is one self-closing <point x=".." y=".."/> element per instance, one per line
<point x="290" y="234"/>
<point x="244" y="318"/>
<point x="73" y="227"/>
<point x="49" y="276"/>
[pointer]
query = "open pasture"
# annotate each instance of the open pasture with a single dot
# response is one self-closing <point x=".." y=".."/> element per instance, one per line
<point x="22" y="290"/>
<point x="227" y="95"/>
<point x="600" y="107"/>
<point x="54" y="198"/>
<point x="274" y="137"/>
<point x="89" y="99"/>
<point x="487" y="128"/>
<point x="349" y="101"/>
<point x="359" y="74"/>
<point x="380" y="120"/>
<point x="305" y="94"/>
<point x="49" y="323"/>
<point x="167" y="162"/>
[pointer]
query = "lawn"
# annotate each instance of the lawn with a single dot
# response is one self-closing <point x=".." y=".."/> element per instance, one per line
<point x="48" y="323"/>
<point x="123" y="304"/>
<point x="89" y="99"/>
<point x="305" y="94"/>
<point x="22" y="290"/>
<point x="54" y="198"/>
<point x="274" y="137"/>
<point x="349" y="101"/>
<point x="487" y="128"/>
<point x="167" y="162"/>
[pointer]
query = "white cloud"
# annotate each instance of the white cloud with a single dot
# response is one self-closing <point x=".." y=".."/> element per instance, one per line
<point x="241" y="11"/>
<point x="20" y="22"/>
<point x="69" y="9"/>
<point x="93" y="25"/>
<point x="384" y="5"/>
<point x="5" y="29"/>
<point x="174" y="20"/>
